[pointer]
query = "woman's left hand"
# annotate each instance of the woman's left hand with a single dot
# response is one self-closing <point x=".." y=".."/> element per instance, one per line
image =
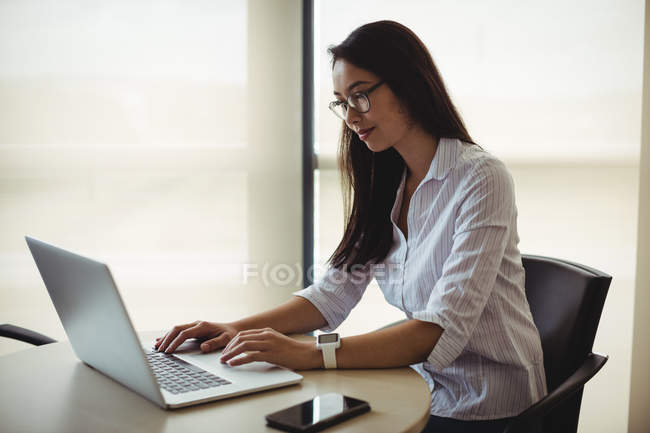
<point x="271" y="346"/>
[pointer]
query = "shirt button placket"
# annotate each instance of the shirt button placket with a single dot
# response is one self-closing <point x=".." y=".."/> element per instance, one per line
<point x="402" y="265"/>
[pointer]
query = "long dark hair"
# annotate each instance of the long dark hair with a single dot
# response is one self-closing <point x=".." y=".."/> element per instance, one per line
<point x="370" y="180"/>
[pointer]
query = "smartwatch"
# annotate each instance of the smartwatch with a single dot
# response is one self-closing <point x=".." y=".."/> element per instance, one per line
<point x="328" y="343"/>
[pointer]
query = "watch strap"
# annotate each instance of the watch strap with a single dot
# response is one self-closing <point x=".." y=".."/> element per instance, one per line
<point x="329" y="355"/>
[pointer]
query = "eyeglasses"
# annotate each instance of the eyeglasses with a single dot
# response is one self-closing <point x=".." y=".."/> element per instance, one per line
<point x="358" y="101"/>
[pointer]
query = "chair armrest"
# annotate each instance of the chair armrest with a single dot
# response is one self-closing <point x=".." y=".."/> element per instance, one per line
<point x="26" y="335"/>
<point x="591" y="365"/>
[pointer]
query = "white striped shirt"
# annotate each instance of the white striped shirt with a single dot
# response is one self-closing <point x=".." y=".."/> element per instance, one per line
<point x="461" y="269"/>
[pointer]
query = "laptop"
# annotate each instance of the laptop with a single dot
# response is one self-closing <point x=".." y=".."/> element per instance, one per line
<point x="95" y="319"/>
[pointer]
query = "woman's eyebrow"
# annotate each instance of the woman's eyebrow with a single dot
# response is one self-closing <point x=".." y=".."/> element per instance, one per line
<point x="352" y="86"/>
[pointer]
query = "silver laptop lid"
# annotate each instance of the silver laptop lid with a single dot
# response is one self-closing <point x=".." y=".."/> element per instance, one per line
<point x="94" y="317"/>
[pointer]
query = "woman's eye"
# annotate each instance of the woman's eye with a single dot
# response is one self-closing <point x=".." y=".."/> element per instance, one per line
<point x="356" y="98"/>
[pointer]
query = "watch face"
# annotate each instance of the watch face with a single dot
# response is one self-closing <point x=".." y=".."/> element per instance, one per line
<point x="328" y="338"/>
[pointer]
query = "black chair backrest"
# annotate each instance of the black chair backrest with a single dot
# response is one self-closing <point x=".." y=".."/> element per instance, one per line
<point x="566" y="300"/>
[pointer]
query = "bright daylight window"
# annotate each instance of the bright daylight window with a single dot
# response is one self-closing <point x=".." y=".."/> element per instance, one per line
<point x="553" y="89"/>
<point x="140" y="133"/>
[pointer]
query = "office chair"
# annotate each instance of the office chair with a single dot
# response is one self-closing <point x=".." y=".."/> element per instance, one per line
<point x="566" y="300"/>
<point x="23" y="334"/>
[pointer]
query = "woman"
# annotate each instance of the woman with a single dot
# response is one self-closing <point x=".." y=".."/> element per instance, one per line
<point x="432" y="217"/>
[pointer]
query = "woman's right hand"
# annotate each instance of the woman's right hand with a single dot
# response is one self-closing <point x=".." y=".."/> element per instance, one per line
<point x="215" y="336"/>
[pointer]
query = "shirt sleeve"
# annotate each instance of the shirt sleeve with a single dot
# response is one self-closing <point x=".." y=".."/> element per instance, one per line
<point x="482" y="228"/>
<point x="337" y="293"/>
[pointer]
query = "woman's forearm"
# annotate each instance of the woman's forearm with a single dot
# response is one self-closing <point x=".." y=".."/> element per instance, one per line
<point x="297" y="315"/>
<point x="408" y="343"/>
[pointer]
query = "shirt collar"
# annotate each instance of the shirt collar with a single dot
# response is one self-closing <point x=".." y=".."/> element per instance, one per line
<point x="444" y="159"/>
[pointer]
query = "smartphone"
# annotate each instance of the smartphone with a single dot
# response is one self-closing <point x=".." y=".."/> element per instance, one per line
<point x="317" y="414"/>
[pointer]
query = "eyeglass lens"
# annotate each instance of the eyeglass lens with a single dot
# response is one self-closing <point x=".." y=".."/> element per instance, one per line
<point x="358" y="102"/>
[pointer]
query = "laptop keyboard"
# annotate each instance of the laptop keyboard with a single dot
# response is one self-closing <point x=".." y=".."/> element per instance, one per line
<point x="177" y="376"/>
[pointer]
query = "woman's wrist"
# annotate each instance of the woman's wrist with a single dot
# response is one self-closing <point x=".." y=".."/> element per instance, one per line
<point x="314" y="357"/>
<point x="237" y="325"/>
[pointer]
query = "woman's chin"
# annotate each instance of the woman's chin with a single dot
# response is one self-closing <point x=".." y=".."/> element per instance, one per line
<point x="376" y="147"/>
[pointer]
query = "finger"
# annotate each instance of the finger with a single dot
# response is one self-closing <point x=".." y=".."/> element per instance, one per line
<point x="249" y="357"/>
<point x="181" y="337"/>
<point x="253" y="331"/>
<point x="238" y="338"/>
<point x="169" y="337"/>
<point x="162" y="343"/>
<point x="215" y="343"/>
<point x="255" y="334"/>
<point x="246" y="346"/>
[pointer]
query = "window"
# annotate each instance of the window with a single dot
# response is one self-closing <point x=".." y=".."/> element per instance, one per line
<point x="554" y="90"/>
<point x="147" y="134"/>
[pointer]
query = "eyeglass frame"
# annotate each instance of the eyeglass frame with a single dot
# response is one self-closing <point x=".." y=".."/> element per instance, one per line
<point x="365" y="93"/>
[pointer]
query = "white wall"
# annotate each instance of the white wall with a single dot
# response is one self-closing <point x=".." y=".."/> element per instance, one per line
<point x="639" y="416"/>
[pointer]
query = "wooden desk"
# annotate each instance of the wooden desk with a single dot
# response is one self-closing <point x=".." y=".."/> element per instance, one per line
<point x="47" y="389"/>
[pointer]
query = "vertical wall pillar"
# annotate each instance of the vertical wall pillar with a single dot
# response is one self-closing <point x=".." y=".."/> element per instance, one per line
<point x="275" y="140"/>
<point x="639" y="416"/>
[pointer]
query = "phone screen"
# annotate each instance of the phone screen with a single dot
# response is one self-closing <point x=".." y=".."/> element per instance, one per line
<point x="325" y="410"/>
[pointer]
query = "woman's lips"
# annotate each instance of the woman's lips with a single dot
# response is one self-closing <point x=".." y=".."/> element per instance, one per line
<point x="364" y="133"/>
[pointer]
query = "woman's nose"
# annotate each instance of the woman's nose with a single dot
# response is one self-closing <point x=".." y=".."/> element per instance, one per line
<point x="352" y="117"/>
